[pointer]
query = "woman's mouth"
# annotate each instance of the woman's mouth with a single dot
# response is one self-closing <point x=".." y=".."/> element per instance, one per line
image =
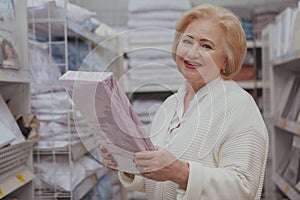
<point x="191" y="65"/>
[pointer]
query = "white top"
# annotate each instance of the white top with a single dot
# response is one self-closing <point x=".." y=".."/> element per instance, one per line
<point x="225" y="142"/>
<point x="179" y="118"/>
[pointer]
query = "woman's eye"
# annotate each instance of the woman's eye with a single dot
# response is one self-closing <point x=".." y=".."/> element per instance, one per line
<point x="206" y="46"/>
<point x="185" y="41"/>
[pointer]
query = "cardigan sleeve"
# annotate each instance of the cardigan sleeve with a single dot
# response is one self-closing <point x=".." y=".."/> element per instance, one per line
<point x="136" y="184"/>
<point x="240" y="173"/>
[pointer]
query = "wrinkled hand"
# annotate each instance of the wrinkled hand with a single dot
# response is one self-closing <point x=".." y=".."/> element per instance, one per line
<point x="108" y="159"/>
<point x="161" y="165"/>
<point x="111" y="163"/>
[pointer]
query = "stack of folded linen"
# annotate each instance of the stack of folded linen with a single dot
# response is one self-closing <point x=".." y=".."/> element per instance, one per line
<point x="266" y="13"/>
<point x="51" y="103"/>
<point x="151" y="29"/>
<point x="145" y="110"/>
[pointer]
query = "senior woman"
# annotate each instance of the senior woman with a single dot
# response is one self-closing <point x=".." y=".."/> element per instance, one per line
<point x="211" y="140"/>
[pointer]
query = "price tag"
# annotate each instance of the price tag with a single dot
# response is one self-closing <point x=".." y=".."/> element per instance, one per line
<point x="297" y="54"/>
<point x="282" y="59"/>
<point x="85" y="150"/>
<point x="20" y="178"/>
<point x="286" y="189"/>
<point x="1" y="193"/>
<point x="284" y="123"/>
<point x="94" y="180"/>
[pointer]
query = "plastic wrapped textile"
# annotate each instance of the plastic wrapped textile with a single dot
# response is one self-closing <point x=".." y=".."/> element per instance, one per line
<point x="108" y="113"/>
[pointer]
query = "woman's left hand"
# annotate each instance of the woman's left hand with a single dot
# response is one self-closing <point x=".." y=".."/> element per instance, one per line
<point x="161" y="165"/>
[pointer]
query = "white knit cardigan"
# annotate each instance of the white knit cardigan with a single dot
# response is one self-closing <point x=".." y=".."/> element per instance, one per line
<point x="225" y="142"/>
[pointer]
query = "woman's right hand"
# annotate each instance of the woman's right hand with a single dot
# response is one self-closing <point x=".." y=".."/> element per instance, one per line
<point x="110" y="162"/>
<point x="108" y="159"/>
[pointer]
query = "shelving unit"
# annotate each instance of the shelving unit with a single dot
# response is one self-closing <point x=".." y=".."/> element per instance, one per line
<point x="56" y="29"/>
<point x="16" y="170"/>
<point x="78" y="192"/>
<point x="277" y="73"/>
<point x="256" y="85"/>
<point x="77" y="148"/>
<point x="284" y="129"/>
<point x="51" y="27"/>
<point x="285" y="187"/>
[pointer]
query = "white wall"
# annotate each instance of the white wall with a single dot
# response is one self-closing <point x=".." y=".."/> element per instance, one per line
<point x="114" y="12"/>
<point x="233" y="2"/>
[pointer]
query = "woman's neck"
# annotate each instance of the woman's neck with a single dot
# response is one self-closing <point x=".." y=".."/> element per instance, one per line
<point x="191" y="90"/>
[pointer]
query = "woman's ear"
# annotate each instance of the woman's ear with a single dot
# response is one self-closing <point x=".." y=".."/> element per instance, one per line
<point x="224" y="66"/>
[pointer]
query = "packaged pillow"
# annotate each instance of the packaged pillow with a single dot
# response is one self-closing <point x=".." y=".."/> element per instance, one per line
<point x="75" y="12"/>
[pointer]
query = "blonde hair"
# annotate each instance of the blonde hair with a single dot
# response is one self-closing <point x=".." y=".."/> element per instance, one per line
<point x="234" y="42"/>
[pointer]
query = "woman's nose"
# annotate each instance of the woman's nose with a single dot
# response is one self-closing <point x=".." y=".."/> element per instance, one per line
<point x="194" y="52"/>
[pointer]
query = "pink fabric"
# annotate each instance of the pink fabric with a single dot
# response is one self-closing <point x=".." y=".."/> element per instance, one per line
<point x="108" y="112"/>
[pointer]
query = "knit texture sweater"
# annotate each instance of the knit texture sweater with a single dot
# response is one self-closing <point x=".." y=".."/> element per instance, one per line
<point x="225" y="142"/>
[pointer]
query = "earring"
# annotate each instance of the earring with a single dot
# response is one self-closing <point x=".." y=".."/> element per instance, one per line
<point x="223" y="71"/>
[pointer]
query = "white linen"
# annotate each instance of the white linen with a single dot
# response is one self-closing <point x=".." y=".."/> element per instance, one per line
<point x="49" y="129"/>
<point x="104" y="30"/>
<point x="57" y="9"/>
<point x="148" y="35"/>
<point x="137" y="23"/>
<point x="149" y="54"/>
<point x="11" y="132"/>
<point x="58" y="173"/>
<point x="146" y="5"/>
<point x="53" y="102"/>
<point x="156" y="14"/>
<point x="45" y="76"/>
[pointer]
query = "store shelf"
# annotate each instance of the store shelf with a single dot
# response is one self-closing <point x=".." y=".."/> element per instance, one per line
<point x="77" y="148"/>
<point x="80" y="190"/>
<point x="15" y="76"/>
<point x="290" y="56"/>
<point x="173" y="88"/>
<point x="79" y="30"/>
<point x="285" y="187"/>
<point x="13" y="157"/>
<point x="151" y="88"/>
<point x="109" y="43"/>
<point x="87" y="184"/>
<point x="17" y="180"/>
<point x="290" y="126"/>
<point x="15" y="167"/>
<point x="251" y="84"/>
<point x="251" y="44"/>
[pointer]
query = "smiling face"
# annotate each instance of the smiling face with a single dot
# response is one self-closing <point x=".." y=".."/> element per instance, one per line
<point x="200" y="56"/>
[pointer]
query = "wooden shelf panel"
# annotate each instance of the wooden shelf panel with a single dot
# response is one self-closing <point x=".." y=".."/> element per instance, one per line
<point x="15" y="76"/>
<point x="290" y="126"/>
<point x="252" y="44"/>
<point x="285" y="187"/>
<point x="17" y="180"/>
<point x="251" y="84"/>
<point x="290" y="56"/>
<point x="87" y="184"/>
